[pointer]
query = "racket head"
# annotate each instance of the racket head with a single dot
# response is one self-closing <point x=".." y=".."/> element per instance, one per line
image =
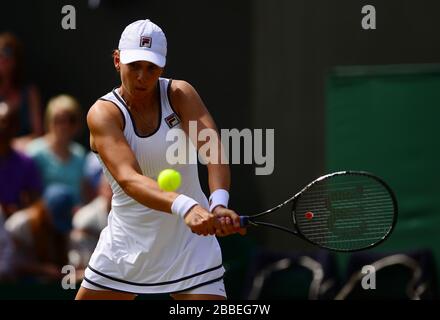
<point x="345" y="211"/>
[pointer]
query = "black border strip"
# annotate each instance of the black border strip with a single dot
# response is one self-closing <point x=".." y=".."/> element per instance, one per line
<point x="154" y="284"/>
<point x="121" y="100"/>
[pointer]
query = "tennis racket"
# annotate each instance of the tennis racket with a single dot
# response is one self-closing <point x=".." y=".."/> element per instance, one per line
<point x="342" y="211"/>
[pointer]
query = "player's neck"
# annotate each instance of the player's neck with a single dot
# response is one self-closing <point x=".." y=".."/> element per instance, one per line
<point x="140" y="101"/>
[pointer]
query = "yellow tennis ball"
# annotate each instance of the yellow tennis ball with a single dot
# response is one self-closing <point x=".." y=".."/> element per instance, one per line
<point x="169" y="180"/>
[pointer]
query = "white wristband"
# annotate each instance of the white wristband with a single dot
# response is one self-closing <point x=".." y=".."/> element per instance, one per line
<point x="182" y="204"/>
<point x="219" y="197"/>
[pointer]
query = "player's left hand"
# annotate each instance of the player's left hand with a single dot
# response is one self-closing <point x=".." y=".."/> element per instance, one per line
<point x="228" y="222"/>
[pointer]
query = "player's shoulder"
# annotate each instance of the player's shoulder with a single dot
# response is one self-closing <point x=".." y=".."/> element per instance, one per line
<point x="102" y="109"/>
<point x="183" y="95"/>
<point x="180" y="88"/>
<point x="104" y="112"/>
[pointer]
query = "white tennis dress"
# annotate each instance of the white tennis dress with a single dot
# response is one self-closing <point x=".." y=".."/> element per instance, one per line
<point x="144" y="250"/>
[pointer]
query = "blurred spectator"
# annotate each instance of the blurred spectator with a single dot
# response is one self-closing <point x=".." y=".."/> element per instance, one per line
<point x="88" y="223"/>
<point x="58" y="157"/>
<point x="17" y="93"/>
<point x="41" y="235"/>
<point x="92" y="176"/>
<point x="6" y="250"/>
<point x="20" y="182"/>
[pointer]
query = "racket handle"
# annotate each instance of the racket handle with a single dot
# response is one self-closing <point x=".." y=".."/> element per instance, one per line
<point x="244" y="221"/>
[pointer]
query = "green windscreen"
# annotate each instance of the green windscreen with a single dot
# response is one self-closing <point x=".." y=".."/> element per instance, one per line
<point x="386" y="120"/>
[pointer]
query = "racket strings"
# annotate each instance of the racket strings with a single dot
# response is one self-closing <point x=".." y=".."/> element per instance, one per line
<point x="350" y="212"/>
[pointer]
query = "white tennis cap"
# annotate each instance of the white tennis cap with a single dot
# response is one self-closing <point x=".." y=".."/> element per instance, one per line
<point x="143" y="41"/>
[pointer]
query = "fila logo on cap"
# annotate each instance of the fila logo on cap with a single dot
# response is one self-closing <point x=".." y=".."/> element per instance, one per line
<point x="172" y="120"/>
<point x="146" y="42"/>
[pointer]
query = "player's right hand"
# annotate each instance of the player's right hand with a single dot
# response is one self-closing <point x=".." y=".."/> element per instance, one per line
<point x="200" y="221"/>
<point x="229" y="222"/>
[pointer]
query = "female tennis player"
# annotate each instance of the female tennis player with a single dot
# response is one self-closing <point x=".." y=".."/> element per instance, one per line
<point x="155" y="241"/>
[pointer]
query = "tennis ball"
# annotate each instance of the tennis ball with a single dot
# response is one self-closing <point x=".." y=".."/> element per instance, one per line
<point x="169" y="180"/>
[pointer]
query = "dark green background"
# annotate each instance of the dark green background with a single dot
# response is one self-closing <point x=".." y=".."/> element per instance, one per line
<point x="385" y="120"/>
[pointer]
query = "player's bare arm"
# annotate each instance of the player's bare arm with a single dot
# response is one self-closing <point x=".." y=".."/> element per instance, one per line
<point x="107" y="138"/>
<point x="190" y="107"/>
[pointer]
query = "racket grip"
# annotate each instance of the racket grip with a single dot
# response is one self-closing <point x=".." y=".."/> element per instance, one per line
<point x="244" y="221"/>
